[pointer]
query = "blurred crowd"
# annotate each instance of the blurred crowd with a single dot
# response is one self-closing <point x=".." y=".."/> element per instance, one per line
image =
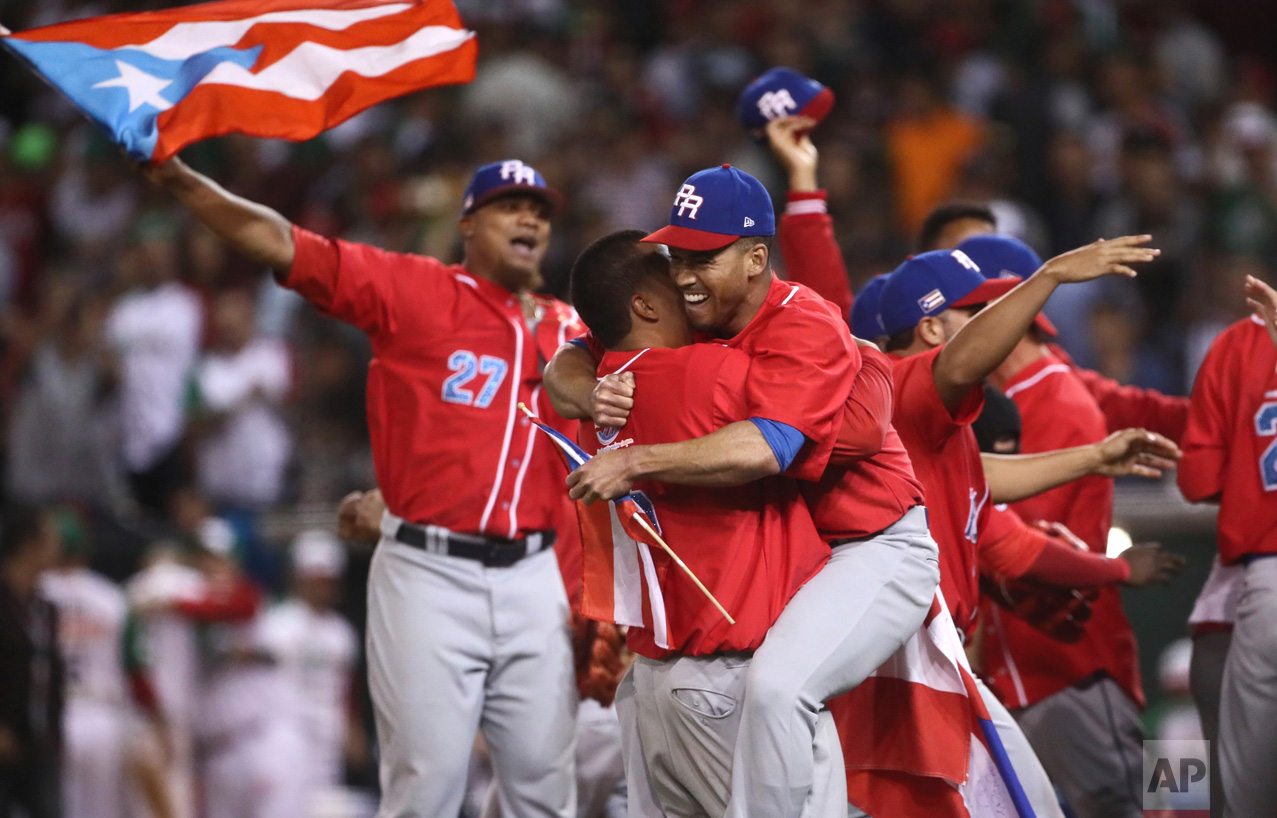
<point x="156" y="385"/>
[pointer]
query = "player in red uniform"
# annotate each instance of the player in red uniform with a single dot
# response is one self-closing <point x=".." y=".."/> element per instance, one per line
<point x="876" y="589"/>
<point x="468" y="621"/>
<point x="1078" y="703"/>
<point x="1230" y="457"/>
<point x="678" y="744"/>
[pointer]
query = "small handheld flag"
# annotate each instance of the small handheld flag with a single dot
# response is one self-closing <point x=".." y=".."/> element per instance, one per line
<point x="286" y="69"/>
<point x="638" y="509"/>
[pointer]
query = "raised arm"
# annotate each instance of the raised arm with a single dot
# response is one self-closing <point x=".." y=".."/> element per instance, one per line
<point x="807" y="239"/>
<point x="984" y="343"/>
<point x="1131" y="451"/>
<point x="254" y="230"/>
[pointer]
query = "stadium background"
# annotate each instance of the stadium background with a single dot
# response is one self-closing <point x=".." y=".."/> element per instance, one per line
<point x="1072" y="118"/>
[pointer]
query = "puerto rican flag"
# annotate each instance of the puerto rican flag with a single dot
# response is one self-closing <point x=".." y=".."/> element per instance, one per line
<point x="917" y="738"/>
<point x="620" y="580"/>
<point x="285" y="69"/>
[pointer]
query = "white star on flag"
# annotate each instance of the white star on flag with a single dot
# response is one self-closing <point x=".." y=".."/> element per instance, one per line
<point x="143" y="88"/>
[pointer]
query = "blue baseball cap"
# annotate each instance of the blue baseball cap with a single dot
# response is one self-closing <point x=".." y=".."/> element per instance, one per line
<point x="503" y="178"/>
<point x="1001" y="256"/>
<point x="865" y="322"/>
<point x="716" y="207"/>
<point x="930" y="283"/>
<point x="782" y="92"/>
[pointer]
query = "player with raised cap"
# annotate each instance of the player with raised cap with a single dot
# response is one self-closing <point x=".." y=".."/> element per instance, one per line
<point x="1230" y="458"/>
<point x="877" y="587"/>
<point x="467" y="615"/>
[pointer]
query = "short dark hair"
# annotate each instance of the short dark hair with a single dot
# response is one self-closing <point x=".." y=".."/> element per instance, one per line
<point x="901" y="340"/>
<point x="604" y="278"/>
<point x="944" y="215"/>
<point x="20" y="525"/>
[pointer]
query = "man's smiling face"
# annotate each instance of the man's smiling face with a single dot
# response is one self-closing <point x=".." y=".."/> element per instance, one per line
<point x="714" y="284"/>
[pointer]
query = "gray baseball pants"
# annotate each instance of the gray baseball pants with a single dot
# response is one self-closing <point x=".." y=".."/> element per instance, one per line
<point x="679" y="723"/>
<point x="1248" y="704"/>
<point x="454" y="647"/>
<point x="1206" y="680"/>
<point x="1090" y="738"/>
<point x="870" y="598"/>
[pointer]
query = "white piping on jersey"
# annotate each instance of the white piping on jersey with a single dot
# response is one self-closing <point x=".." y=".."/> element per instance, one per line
<point x="515" y="381"/>
<point x="1271" y="393"/>
<point x="523" y="470"/>
<point x="1023" y="385"/>
<point x="465" y="279"/>
<point x="1010" y="662"/>
<point x="575" y="319"/>
<point x="793" y="291"/>
<point x="630" y="361"/>
<point x="1256" y="319"/>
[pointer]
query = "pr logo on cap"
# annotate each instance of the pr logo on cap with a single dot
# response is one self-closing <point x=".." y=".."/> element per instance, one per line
<point x="519" y="173"/>
<point x="686" y="199"/>
<point x="775" y="104"/>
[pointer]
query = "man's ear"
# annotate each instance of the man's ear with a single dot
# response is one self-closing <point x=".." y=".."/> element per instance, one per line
<point x="643" y="308"/>
<point x="757" y="260"/>
<point x="931" y="330"/>
<point x="466" y="226"/>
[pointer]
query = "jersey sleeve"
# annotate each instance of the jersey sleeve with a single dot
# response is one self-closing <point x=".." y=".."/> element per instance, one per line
<point x="1207" y="439"/>
<point x="920" y="409"/>
<point x="867" y="415"/>
<point x="357" y="283"/>
<point x="800" y="375"/>
<point x="1007" y="546"/>
<point x="810" y="250"/>
<point x="1063" y="565"/>
<point x="1126" y="407"/>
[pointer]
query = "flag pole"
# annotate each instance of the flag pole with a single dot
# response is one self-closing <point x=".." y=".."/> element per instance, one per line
<point x="638" y="518"/>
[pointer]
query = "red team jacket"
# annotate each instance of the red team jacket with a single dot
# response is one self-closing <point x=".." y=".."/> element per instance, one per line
<point x="753" y="546"/>
<point x="453" y="355"/>
<point x="1230" y="448"/>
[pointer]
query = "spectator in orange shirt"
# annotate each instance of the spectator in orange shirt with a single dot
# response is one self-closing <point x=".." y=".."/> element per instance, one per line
<point x="929" y="142"/>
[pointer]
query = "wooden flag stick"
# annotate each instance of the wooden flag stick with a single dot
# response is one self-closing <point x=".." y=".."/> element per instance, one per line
<point x="638" y="518"/>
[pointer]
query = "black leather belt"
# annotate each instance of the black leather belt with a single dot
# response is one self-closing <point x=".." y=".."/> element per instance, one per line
<point x="493" y="553"/>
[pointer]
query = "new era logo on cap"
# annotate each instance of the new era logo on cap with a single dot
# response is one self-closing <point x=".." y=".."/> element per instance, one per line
<point x="505" y="178"/>
<point x="716" y="207"/>
<point x="782" y="92"/>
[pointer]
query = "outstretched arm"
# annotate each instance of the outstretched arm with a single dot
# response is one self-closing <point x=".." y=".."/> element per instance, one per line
<point x="1131" y="451"/>
<point x="254" y="230"/>
<point x="984" y="343"/>
<point x="1263" y="300"/>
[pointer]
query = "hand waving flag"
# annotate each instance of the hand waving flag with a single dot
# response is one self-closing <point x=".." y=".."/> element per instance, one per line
<point x="286" y="69"/>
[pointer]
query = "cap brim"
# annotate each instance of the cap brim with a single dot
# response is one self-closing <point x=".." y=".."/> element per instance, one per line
<point x="1044" y="325"/>
<point x="684" y="238"/>
<point x="549" y="195"/>
<point x="820" y="105"/>
<point x="991" y="289"/>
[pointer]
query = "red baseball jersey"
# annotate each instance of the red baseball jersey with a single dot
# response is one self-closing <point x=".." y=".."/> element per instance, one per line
<point x="861" y="493"/>
<point x="453" y="355"/>
<point x="753" y="546"/>
<point x="1127" y="407"/>
<point x="946" y="459"/>
<point x="1230" y="448"/>
<point x="1025" y="666"/>
<point x="802" y="365"/>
